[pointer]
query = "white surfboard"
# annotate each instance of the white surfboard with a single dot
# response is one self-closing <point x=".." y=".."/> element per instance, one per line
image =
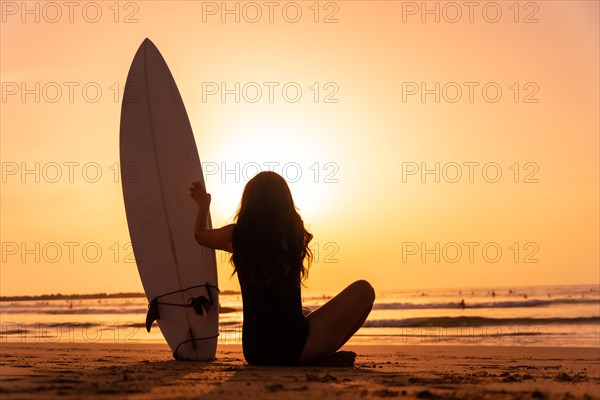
<point x="159" y="162"/>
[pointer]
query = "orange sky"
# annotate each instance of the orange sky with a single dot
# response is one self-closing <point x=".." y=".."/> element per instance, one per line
<point x="369" y="209"/>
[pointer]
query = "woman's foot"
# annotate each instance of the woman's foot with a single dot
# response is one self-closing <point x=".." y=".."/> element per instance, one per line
<point x="337" y="359"/>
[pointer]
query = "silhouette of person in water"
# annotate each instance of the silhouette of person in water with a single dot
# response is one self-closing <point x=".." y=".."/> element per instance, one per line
<point x="269" y="246"/>
<point x="462" y="304"/>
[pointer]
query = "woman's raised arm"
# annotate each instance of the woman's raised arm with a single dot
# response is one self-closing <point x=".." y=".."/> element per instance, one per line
<point x="219" y="239"/>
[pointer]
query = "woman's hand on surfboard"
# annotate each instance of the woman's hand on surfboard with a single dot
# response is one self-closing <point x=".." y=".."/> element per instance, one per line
<point x="199" y="194"/>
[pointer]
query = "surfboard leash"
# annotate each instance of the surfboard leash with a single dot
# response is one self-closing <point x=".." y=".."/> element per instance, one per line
<point x="193" y="344"/>
<point x="200" y="304"/>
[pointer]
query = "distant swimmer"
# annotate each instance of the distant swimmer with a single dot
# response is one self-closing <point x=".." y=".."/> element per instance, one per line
<point x="462" y="304"/>
<point x="493" y="294"/>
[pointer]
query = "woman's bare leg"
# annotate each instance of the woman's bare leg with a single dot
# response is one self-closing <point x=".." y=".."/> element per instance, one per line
<point x="331" y="325"/>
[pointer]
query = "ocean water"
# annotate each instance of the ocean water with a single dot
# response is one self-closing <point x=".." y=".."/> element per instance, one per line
<point x="521" y="316"/>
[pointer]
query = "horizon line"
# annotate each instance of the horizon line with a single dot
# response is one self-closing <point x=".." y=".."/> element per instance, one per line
<point x="99" y="295"/>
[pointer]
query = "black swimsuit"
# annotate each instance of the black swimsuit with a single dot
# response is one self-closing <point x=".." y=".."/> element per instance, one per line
<point x="274" y="330"/>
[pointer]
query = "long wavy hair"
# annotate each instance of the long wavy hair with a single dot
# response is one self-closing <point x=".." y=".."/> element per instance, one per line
<point x="269" y="240"/>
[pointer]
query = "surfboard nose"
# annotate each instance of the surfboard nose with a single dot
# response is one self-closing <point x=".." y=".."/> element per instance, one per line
<point x="150" y="52"/>
<point x="148" y="42"/>
<point x="148" y="45"/>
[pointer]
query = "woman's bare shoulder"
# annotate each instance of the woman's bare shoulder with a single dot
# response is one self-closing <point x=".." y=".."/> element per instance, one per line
<point x="229" y="227"/>
<point x="228" y="232"/>
<point x="219" y="239"/>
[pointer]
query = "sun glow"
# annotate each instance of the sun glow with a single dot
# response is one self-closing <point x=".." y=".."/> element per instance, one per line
<point x="283" y="143"/>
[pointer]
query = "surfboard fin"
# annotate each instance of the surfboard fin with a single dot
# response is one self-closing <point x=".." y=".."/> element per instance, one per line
<point x="200" y="304"/>
<point x="152" y="314"/>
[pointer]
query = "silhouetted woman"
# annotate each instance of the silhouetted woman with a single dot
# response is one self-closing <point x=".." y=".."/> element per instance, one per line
<point x="269" y="247"/>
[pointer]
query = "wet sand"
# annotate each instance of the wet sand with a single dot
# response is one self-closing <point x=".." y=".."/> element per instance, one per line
<point x="147" y="371"/>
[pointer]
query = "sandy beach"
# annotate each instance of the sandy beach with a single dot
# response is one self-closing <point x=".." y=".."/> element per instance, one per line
<point x="145" y="371"/>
